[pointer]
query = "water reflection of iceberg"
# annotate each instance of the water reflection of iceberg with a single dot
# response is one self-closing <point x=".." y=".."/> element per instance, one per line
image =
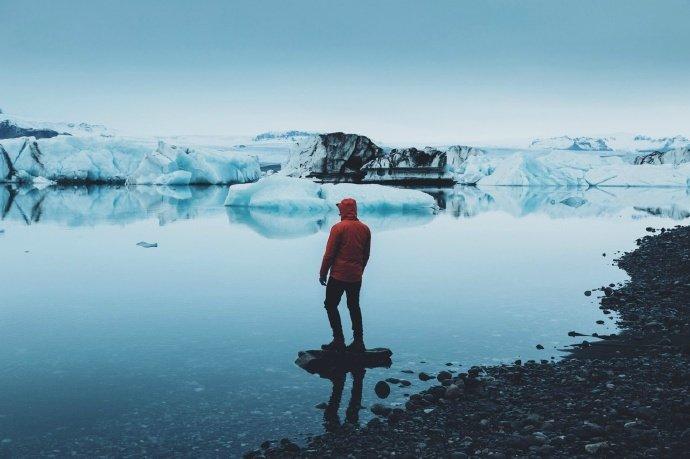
<point x="92" y="205"/>
<point x="274" y="224"/>
<point x="284" y="225"/>
<point x="563" y="202"/>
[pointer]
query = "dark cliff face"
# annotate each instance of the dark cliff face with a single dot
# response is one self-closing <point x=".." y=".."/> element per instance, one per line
<point x="344" y="155"/>
<point x="12" y="131"/>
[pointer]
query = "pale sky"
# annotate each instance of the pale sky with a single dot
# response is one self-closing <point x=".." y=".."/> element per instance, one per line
<point x="441" y="71"/>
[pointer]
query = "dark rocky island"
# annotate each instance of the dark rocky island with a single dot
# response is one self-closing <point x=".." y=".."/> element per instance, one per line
<point x="626" y="395"/>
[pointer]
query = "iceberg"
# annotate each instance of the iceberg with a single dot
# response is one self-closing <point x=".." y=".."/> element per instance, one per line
<point x="414" y="166"/>
<point x="94" y="159"/>
<point x="569" y="169"/>
<point x="333" y="156"/>
<point x="172" y="165"/>
<point x="293" y="195"/>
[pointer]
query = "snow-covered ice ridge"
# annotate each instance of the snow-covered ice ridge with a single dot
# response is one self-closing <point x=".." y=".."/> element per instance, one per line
<point x="295" y="195"/>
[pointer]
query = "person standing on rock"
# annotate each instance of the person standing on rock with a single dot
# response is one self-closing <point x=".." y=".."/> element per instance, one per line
<point x="346" y="256"/>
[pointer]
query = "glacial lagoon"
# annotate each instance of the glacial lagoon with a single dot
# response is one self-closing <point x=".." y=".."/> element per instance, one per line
<point x="112" y="348"/>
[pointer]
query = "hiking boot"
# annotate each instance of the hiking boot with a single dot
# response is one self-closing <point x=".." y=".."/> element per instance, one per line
<point x="335" y="345"/>
<point x="356" y="346"/>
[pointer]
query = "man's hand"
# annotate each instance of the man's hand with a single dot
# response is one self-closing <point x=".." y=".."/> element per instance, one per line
<point x="322" y="280"/>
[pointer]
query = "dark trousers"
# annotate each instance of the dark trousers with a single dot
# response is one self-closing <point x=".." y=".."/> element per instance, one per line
<point x="334" y="292"/>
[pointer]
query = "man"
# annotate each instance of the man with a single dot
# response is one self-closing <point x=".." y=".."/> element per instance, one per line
<point x="346" y="256"/>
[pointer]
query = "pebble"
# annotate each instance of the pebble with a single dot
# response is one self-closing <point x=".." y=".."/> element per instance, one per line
<point x="425" y="376"/>
<point x="382" y="389"/>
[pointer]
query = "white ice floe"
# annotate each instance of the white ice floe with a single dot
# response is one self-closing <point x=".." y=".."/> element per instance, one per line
<point x="118" y="160"/>
<point x="286" y="194"/>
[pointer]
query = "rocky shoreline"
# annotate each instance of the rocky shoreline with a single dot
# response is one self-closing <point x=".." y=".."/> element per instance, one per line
<point x="626" y="395"/>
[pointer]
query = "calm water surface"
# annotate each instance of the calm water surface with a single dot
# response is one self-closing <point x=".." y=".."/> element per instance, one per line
<point x="189" y="347"/>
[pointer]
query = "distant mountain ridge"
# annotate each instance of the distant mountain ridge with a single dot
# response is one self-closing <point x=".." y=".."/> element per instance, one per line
<point x="12" y="127"/>
<point x="282" y="135"/>
<point x="641" y="143"/>
<point x="572" y="143"/>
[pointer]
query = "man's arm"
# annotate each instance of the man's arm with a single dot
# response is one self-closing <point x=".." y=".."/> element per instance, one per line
<point x="329" y="255"/>
<point x="367" y="248"/>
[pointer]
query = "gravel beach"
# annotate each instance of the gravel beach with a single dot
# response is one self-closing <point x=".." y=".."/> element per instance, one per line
<point x="619" y="395"/>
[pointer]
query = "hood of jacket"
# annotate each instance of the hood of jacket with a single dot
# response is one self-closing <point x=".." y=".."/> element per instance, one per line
<point x="348" y="209"/>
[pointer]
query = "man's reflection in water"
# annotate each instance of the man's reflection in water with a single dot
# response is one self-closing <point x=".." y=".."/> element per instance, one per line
<point x="331" y="420"/>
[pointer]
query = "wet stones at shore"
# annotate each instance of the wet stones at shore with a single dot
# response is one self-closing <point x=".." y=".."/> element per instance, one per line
<point x="626" y="395"/>
<point x="443" y="376"/>
<point x="423" y="376"/>
<point x="382" y="389"/>
<point x="380" y="410"/>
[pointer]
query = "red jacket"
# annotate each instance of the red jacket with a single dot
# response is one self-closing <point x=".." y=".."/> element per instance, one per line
<point x="347" y="250"/>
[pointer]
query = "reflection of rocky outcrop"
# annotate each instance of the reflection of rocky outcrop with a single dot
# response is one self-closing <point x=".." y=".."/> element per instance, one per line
<point x="677" y="156"/>
<point x="9" y="130"/>
<point x="348" y="157"/>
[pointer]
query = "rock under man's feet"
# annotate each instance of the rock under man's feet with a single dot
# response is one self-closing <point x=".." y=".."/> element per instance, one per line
<point x="335" y="345"/>
<point x="356" y="346"/>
